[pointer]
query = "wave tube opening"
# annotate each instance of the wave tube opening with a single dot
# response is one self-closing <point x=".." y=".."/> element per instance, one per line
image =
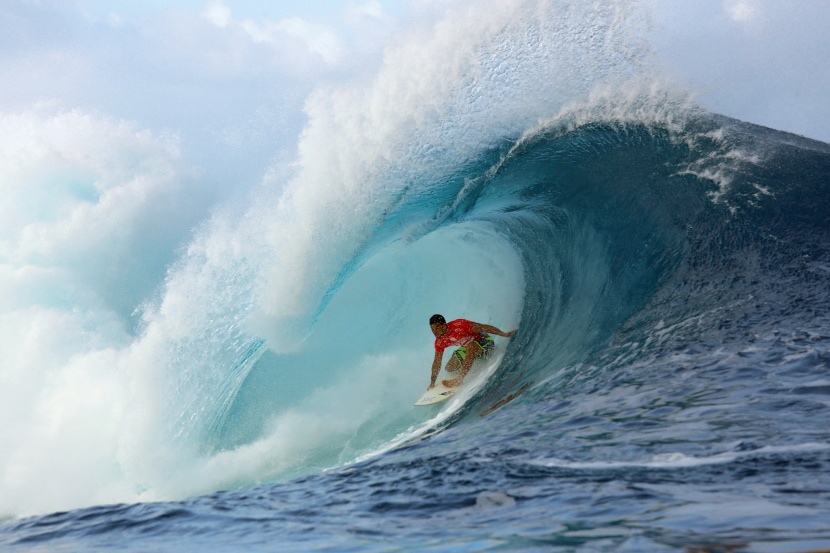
<point x="350" y="386"/>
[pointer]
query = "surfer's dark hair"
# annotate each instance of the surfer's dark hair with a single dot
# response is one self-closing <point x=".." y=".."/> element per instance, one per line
<point x="437" y="320"/>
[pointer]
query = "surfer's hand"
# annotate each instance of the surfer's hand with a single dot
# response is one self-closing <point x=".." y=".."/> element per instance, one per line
<point x="511" y="333"/>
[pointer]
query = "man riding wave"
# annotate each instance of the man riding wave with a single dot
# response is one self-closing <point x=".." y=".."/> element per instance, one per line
<point x="473" y="341"/>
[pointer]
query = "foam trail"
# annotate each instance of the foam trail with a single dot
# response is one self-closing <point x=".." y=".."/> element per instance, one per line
<point x="669" y="461"/>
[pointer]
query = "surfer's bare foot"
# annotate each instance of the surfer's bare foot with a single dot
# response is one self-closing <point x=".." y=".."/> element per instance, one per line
<point x="451" y="383"/>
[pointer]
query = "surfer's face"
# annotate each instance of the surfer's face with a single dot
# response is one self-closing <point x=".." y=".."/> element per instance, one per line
<point x="438" y="329"/>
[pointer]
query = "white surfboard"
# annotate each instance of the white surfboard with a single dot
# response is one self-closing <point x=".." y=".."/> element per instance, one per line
<point x="437" y="394"/>
<point x="479" y="372"/>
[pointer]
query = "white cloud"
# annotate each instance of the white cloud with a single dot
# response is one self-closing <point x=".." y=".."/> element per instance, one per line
<point x="748" y="14"/>
<point x="742" y="11"/>
<point x="218" y="13"/>
<point x="366" y="10"/>
<point x="115" y="20"/>
<point x="320" y="40"/>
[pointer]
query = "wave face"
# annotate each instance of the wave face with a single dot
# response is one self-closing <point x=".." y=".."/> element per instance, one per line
<point x="669" y="270"/>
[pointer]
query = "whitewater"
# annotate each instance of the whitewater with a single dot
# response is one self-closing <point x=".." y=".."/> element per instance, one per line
<point x="250" y="387"/>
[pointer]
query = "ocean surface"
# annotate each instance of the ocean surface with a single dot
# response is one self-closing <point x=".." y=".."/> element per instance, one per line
<point x="668" y="388"/>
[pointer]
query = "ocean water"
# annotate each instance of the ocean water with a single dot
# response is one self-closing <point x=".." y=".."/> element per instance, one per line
<point x="251" y="390"/>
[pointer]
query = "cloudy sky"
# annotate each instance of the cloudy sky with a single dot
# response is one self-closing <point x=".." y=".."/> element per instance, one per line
<point x="763" y="61"/>
<point x="228" y="79"/>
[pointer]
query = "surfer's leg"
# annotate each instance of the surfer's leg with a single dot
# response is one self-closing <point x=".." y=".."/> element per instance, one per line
<point x="473" y="350"/>
<point x="456" y="360"/>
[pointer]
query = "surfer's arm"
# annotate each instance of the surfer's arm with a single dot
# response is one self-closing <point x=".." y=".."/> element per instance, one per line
<point x="436" y="368"/>
<point x="490" y="329"/>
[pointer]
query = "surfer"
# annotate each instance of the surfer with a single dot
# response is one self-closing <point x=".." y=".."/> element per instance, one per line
<point x="474" y="342"/>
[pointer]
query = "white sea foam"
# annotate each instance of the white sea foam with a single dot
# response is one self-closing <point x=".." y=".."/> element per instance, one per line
<point x="124" y="340"/>
<point x="481" y="75"/>
<point x="680" y="460"/>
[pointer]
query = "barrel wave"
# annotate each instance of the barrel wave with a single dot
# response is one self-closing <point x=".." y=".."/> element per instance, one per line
<point x="670" y="284"/>
<point x="668" y="270"/>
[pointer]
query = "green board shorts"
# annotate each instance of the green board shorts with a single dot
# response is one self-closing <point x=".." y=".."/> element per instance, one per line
<point x="486" y="343"/>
